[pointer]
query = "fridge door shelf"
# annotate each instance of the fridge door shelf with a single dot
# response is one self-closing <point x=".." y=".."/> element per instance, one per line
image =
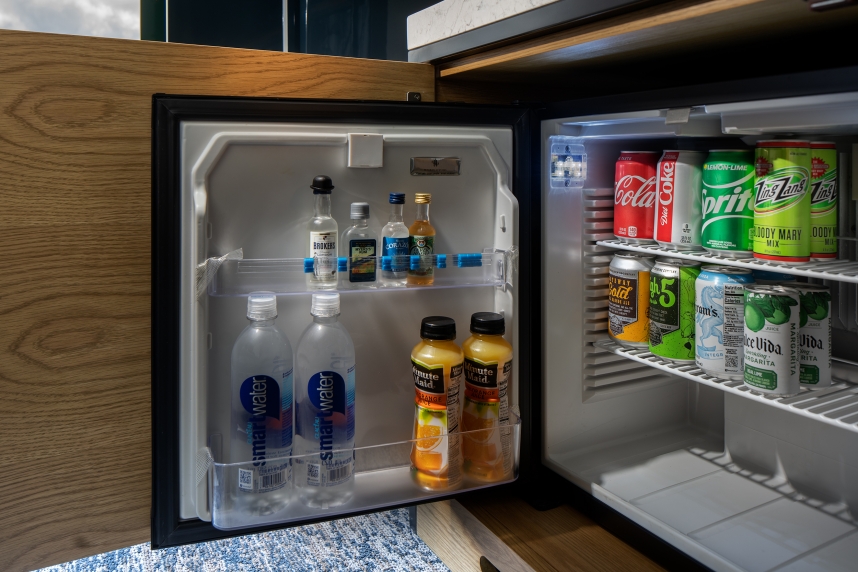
<point x="833" y="269"/>
<point x="491" y="267"/>
<point x="382" y="478"/>
<point x="836" y="405"/>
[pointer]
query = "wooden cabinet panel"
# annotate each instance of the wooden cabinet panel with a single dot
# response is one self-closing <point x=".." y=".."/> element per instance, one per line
<point x="75" y="236"/>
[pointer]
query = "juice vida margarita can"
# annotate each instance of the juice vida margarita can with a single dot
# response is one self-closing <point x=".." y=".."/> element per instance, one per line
<point x="634" y="196"/>
<point x="628" y="299"/>
<point x="671" y="309"/>
<point x="814" y="335"/>
<point x="678" y="216"/>
<point x="782" y="201"/>
<point x="772" y="339"/>
<point x="728" y="203"/>
<point x="719" y="321"/>
<point x="823" y="199"/>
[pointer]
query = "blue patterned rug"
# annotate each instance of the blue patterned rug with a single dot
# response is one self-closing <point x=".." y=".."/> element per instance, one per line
<point x="378" y="542"/>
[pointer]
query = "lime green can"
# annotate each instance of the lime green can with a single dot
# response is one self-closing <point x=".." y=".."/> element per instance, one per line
<point x="782" y="201"/>
<point x="823" y="200"/>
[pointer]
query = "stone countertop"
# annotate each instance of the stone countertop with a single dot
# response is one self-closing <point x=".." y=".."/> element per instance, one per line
<point x="453" y="17"/>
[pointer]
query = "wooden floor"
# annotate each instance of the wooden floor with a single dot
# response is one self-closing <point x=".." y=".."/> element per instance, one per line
<point x="560" y="539"/>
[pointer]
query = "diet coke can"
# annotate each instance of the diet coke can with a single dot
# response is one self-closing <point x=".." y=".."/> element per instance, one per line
<point x="679" y="187"/>
<point x="634" y="196"/>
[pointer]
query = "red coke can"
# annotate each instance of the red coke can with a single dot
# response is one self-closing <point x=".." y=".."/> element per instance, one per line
<point x="634" y="196"/>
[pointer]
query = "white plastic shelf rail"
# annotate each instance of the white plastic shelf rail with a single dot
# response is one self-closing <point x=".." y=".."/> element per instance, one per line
<point x="836" y="405"/>
<point x="842" y="270"/>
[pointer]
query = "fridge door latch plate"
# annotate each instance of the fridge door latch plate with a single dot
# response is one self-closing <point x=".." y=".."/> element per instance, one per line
<point x="366" y="150"/>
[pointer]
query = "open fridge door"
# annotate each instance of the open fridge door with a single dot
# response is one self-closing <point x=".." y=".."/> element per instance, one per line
<point x="233" y="199"/>
<point x="736" y="479"/>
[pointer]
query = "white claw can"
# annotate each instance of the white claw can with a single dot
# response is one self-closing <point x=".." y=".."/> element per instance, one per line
<point x="772" y="339"/>
<point x="814" y="335"/>
<point x="678" y="209"/>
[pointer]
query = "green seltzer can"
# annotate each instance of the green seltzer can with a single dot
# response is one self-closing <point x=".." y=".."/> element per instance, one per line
<point x="782" y="201"/>
<point x="823" y="199"/>
<point x="728" y="203"/>
<point x="671" y="309"/>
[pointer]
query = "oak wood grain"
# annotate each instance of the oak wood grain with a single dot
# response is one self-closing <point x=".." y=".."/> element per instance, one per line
<point x="666" y="29"/>
<point x="459" y="539"/>
<point x="555" y="540"/>
<point x="75" y="230"/>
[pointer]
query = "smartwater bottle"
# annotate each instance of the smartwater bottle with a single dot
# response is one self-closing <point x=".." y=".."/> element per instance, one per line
<point x="325" y="407"/>
<point x="261" y="431"/>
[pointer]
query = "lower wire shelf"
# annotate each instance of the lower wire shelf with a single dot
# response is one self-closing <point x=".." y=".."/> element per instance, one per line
<point x="836" y="405"/>
<point x="381" y="476"/>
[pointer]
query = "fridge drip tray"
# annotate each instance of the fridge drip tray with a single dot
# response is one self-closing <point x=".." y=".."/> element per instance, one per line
<point x="491" y="267"/>
<point x="383" y="477"/>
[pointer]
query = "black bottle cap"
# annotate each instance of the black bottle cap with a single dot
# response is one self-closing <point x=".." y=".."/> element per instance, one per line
<point x="487" y="323"/>
<point x="438" y="328"/>
<point x="322" y="185"/>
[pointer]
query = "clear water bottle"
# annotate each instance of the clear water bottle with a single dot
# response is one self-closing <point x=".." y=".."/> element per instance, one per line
<point x="261" y="428"/>
<point x="325" y="407"/>
<point x="394" y="239"/>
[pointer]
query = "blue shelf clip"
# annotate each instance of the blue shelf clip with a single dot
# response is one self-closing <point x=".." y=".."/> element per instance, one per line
<point x="342" y="264"/>
<point x="308" y="265"/>
<point x="469" y="260"/>
<point x="441" y="261"/>
<point x="387" y="263"/>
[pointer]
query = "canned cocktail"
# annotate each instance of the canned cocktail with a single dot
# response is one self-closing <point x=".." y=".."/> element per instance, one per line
<point x="628" y="299"/>
<point x="678" y="218"/>
<point x="634" y="196"/>
<point x="728" y="203"/>
<point x="814" y="335"/>
<point x="719" y="321"/>
<point x="671" y="309"/>
<point x="782" y="201"/>
<point x="771" y="339"/>
<point x="823" y="200"/>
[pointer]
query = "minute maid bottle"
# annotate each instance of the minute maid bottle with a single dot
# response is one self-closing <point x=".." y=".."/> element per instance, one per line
<point x="325" y="407"/>
<point x="261" y="429"/>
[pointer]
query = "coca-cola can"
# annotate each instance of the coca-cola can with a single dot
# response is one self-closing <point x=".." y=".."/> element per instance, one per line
<point x="679" y="188"/>
<point x="634" y="196"/>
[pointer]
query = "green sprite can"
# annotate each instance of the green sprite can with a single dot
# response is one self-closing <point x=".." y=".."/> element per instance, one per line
<point x="782" y="201"/>
<point x="671" y="309"/>
<point x="823" y="199"/>
<point x="728" y="203"/>
<point x="772" y="339"/>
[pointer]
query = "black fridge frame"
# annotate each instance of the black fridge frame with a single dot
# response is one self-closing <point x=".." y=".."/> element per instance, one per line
<point x="168" y="112"/>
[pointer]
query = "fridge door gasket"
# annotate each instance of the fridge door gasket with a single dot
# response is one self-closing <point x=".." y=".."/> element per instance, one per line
<point x="168" y="529"/>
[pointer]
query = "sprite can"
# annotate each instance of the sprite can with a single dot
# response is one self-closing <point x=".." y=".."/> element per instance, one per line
<point x="771" y="340"/>
<point x="782" y="201"/>
<point x="728" y="203"/>
<point x="823" y="200"/>
<point x="671" y="309"/>
<point x="814" y="335"/>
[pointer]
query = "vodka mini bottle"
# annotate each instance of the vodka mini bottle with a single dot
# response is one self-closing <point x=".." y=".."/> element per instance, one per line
<point x="395" y="244"/>
<point x="361" y="247"/>
<point x="422" y="242"/>
<point x="261" y="427"/>
<point x="325" y="407"/>
<point x="322" y="234"/>
<point x="437" y="365"/>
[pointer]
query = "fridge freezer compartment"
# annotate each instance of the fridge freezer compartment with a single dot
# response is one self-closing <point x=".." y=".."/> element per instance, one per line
<point x="836" y="405"/>
<point x="838" y="269"/>
<point x="491" y="267"/>
<point x="383" y="477"/>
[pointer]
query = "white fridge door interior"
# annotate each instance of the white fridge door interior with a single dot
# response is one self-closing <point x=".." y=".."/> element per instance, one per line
<point x="247" y="185"/>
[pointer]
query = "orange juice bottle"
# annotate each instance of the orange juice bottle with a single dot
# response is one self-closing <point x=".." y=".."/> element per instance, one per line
<point x="436" y="362"/>
<point x="421" y="240"/>
<point x="486" y="442"/>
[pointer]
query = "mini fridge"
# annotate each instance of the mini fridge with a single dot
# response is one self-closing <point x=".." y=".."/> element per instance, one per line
<point x="735" y="479"/>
